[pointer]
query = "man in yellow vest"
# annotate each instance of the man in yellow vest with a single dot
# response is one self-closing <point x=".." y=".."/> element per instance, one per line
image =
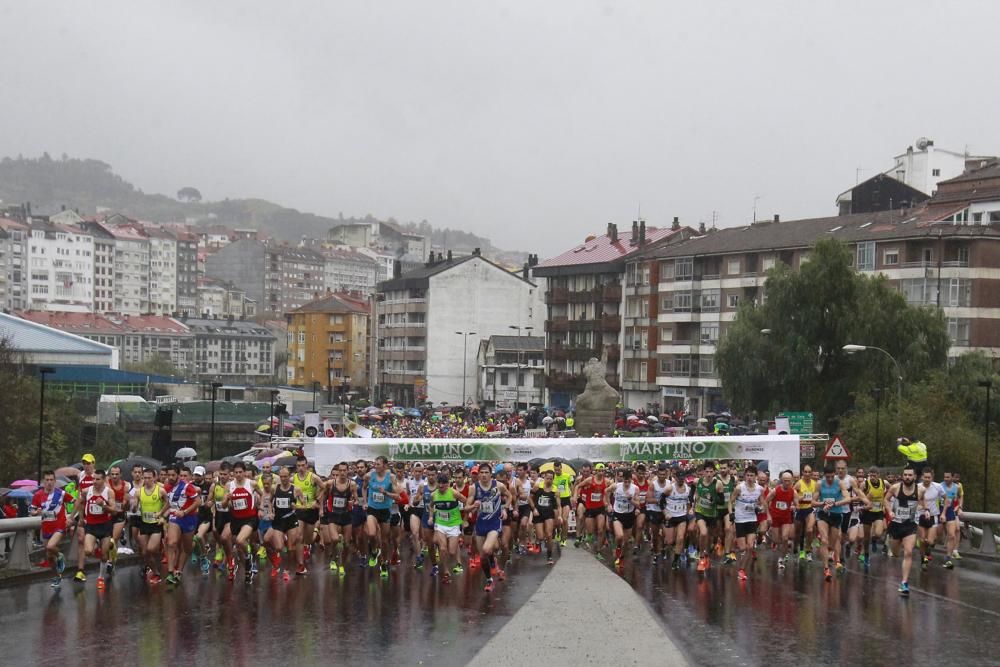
<point x="915" y="453"/>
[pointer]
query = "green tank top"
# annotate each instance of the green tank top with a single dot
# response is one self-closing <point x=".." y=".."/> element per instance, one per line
<point x="446" y="508"/>
<point x="150" y="505"/>
<point x="706" y="505"/>
<point x="218" y="496"/>
<point x="727" y="490"/>
<point x="307" y="487"/>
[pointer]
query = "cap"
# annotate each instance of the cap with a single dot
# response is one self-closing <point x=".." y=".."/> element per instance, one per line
<point x="599" y="466"/>
<point x="199" y="470"/>
<point x="499" y="469"/>
<point x="88" y="458"/>
<point x="475" y="470"/>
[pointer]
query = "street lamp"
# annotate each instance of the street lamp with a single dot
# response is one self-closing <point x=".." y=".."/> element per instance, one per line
<point x="270" y="421"/>
<point x="465" y="358"/>
<point x="987" y="384"/>
<point x="43" y="371"/>
<point x="517" y="373"/>
<point x="211" y="437"/>
<point x="851" y="349"/>
<point x="315" y="386"/>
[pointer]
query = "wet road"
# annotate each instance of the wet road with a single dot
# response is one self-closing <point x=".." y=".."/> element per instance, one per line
<point x="796" y="617"/>
<point x="407" y="620"/>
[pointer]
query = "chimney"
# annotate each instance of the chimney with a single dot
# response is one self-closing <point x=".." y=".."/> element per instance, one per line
<point x="62" y="207"/>
<point x="676" y="224"/>
<point x="642" y="232"/>
<point x="476" y="252"/>
<point x="635" y="233"/>
<point x="524" y="271"/>
<point x="533" y="259"/>
<point x="701" y="227"/>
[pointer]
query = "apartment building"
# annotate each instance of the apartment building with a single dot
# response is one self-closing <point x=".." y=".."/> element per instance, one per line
<point x="187" y="270"/>
<point x="217" y="298"/>
<point x="231" y="350"/>
<point x="60" y="261"/>
<point x="104" y="266"/>
<point x="131" y="279"/>
<point x="585" y="308"/>
<point x="346" y="270"/>
<point x="13" y="263"/>
<point x="430" y="322"/>
<point x="162" y="270"/>
<point x="328" y="344"/>
<point x="278" y="278"/>
<point x="511" y="372"/>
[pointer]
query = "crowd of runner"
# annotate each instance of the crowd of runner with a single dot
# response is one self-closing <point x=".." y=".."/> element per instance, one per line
<point x="445" y="518"/>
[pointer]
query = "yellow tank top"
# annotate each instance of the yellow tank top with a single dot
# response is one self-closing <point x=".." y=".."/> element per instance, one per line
<point x="151" y="504"/>
<point x="307" y="487"/>
<point x="876" y="494"/>
<point x="807" y="492"/>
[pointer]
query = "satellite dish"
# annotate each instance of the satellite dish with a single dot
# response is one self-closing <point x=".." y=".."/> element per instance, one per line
<point x="922" y="143"/>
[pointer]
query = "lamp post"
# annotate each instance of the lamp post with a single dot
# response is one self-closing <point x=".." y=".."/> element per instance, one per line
<point x="517" y="372"/>
<point x="43" y="371"/>
<point x="987" y="384"/>
<point x="315" y="386"/>
<point x="270" y="421"/>
<point x="851" y="349"/>
<point x="465" y="359"/>
<point x="211" y="436"/>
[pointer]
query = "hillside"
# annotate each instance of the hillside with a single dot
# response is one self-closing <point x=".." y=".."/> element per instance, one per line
<point x="86" y="185"/>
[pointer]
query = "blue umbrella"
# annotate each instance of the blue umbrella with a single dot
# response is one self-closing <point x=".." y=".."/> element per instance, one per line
<point x="21" y="493"/>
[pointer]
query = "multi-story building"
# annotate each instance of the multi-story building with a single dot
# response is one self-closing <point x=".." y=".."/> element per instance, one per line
<point x="430" y="322"/>
<point x="104" y="266"/>
<point x="162" y="270"/>
<point x="328" y="344"/>
<point x="217" y="298"/>
<point x="13" y="263"/>
<point x="187" y="270"/>
<point x="231" y="350"/>
<point x="385" y="263"/>
<point x="382" y="236"/>
<point x="346" y="270"/>
<point x="584" y="303"/>
<point x="131" y="279"/>
<point x="60" y="268"/>
<point x="278" y="278"/>
<point x="511" y="372"/>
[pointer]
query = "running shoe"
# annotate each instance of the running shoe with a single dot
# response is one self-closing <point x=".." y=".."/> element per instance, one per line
<point x="153" y="578"/>
<point x="600" y="556"/>
<point x="904" y="589"/>
<point x="301" y="570"/>
<point x="262" y="554"/>
<point x="435" y="570"/>
<point x="306" y="553"/>
<point x="45" y="564"/>
<point x="948" y="564"/>
<point x="56" y="582"/>
<point x="802" y="554"/>
<point x="373" y="558"/>
<point x="333" y="566"/>
<point x="840" y="568"/>
<point x="655" y="559"/>
<point x="285" y="577"/>
<point x="172" y="578"/>
<point x="206" y="565"/>
<point x="576" y="545"/>
<point x="274" y="573"/>
<point x="248" y="578"/>
<point x="445" y="578"/>
<point x="692" y="551"/>
<point x="549" y="561"/>
<point x="100" y="583"/>
<point x="80" y="576"/>
<point x="684" y="560"/>
<point x="618" y="562"/>
<point x="562" y="542"/>
<point x="254" y="567"/>
<point x="383" y="571"/>
<point x="419" y="562"/>
<point x="219" y="554"/>
<point x="501" y="574"/>
<point x="742" y="575"/>
<point x="866" y="561"/>
<point x="194" y="556"/>
<point x="923" y="563"/>
<point x="781" y="566"/>
<point x="489" y="585"/>
<point x="955" y="555"/>
<point x="703" y="564"/>
<point x="809" y="557"/>
<point x="341" y="571"/>
<point x="60" y="563"/>
<point x="111" y="569"/>
<point x="826" y="573"/>
<point x="676" y="564"/>
<point x="458" y="569"/>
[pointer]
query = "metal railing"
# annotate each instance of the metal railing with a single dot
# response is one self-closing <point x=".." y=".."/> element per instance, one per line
<point x="988" y="543"/>
<point x="22" y="530"/>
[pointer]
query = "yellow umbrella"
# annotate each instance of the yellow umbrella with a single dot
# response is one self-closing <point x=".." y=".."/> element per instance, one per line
<point x="567" y="468"/>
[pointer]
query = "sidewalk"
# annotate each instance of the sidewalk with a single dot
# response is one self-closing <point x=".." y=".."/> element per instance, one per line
<point x="570" y="619"/>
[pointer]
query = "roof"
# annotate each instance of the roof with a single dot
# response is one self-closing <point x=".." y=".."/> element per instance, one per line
<point x="521" y="343"/>
<point x="882" y="225"/>
<point x="126" y="233"/>
<point x="303" y="254"/>
<point x="989" y="170"/>
<point x="109" y="376"/>
<point x="27" y="336"/>
<point x="601" y="250"/>
<point x="333" y="303"/>
<point x="93" y="323"/>
<point x="420" y="277"/>
<point x="8" y="224"/>
<point x="150" y="324"/>
<point x="349" y="254"/>
<point x="225" y="327"/>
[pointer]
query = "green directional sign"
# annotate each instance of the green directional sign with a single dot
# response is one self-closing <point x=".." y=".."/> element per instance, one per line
<point x="799" y="423"/>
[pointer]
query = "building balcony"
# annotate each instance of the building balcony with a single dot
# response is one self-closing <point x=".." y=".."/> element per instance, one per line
<point x="585" y="296"/>
<point x="614" y="352"/>
<point x="561" y="381"/>
<point x="557" y="295"/>
<point x="611" y="323"/>
<point x="409" y="354"/>
<point x="557" y="324"/>
<point x="611" y="293"/>
<point x="564" y="352"/>
<point x="583" y="325"/>
<point x="638" y="353"/>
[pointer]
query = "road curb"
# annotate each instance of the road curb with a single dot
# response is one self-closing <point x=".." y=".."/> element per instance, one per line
<point x="32" y="576"/>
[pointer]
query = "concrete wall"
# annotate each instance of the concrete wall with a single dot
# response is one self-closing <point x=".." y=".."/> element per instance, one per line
<point x="473" y="296"/>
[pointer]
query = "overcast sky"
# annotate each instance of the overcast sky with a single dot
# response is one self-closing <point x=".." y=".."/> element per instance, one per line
<point x="534" y="123"/>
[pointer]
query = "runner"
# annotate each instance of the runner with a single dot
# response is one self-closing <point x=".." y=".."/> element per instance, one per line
<point x="727" y="476"/>
<point x="905" y="499"/>
<point x="284" y="526"/>
<point x="781" y="502"/>
<point x="445" y="510"/>
<point x="121" y="489"/>
<point x="151" y="504"/>
<point x="640" y="478"/>
<point x="927" y="526"/>
<point x="806" y="491"/>
<point x="426" y="526"/>
<point x="850" y="526"/>
<point x="594" y="525"/>
<point x="380" y="491"/>
<point x="220" y="518"/>
<point x="242" y="499"/>
<point x="655" y="502"/>
<point x="676" y="501"/>
<point x="620" y="500"/>
<point x="525" y="482"/>
<point x="578" y="506"/>
<point x="873" y="518"/>
<point x="744" y="505"/>
<point x="953" y="500"/>
<point x="83" y="483"/>
<point x="415" y="511"/>
<point x="96" y="506"/>
<point x="508" y="519"/>
<point x="488" y="501"/>
<point x="338" y="495"/>
<point x="306" y="510"/>
<point x="546" y="512"/>
<point x="132" y="513"/>
<point x="832" y="504"/>
<point x="49" y="503"/>
<point x="184" y="499"/>
<point x="706" y="510"/>
<point x="265" y="522"/>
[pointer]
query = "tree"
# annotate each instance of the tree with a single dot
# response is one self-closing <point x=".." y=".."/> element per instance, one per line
<point x="810" y="315"/>
<point x="155" y="366"/>
<point x="189" y="194"/>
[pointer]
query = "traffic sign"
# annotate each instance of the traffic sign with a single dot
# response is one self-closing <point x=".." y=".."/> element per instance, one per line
<point x="807" y="451"/>
<point x="836" y="449"/>
<point x="799" y="423"/>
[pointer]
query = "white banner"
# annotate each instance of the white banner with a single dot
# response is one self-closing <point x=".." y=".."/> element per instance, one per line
<point x="781" y="452"/>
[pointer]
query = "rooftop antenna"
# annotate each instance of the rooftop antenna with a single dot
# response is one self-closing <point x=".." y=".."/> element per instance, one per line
<point x="715" y="218"/>
<point x="756" y="198"/>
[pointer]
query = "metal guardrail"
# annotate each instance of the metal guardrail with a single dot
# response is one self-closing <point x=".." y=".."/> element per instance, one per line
<point x="988" y="545"/>
<point x="17" y="557"/>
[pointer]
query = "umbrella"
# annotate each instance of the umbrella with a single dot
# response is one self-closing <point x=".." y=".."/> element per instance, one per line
<point x="632" y="418"/>
<point x="212" y="466"/>
<point x="21" y="493"/>
<point x="577" y="464"/>
<point x="547" y="420"/>
<point x="273" y="452"/>
<point x="67" y="471"/>
<point x="651" y="418"/>
<point x="412" y="412"/>
<point x="186" y="453"/>
<point x="24" y="483"/>
<point x="702" y="420"/>
<point x="144" y="461"/>
<point x="549" y="466"/>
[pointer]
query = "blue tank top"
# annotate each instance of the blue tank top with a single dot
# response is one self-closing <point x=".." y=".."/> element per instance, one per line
<point x="377" y="490"/>
<point x="951" y="494"/>
<point x="427" y="495"/>
<point x="832" y="492"/>
<point x="490" y="505"/>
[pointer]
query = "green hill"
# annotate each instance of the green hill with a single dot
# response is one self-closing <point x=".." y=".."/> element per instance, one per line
<point x="87" y="185"/>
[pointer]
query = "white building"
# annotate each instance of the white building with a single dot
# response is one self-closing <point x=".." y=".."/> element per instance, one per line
<point x="511" y="371"/>
<point x="384" y="261"/>
<point x="162" y="271"/>
<point x="13" y="263"/>
<point x="347" y="270"/>
<point x="131" y="285"/>
<point x="431" y="321"/>
<point x="232" y="350"/>
<point x="60" y="268"/>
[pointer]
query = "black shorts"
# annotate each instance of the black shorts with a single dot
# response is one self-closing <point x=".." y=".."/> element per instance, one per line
<point x="626" y="520"/>
<point x="898" y="531"/>
<point x="221" y="521"/>
<point x="845" y="523"/>
<point x="150" y="528"/>
<point x="655" y="517"/>
<point x="593" y="512"/>
<point x="395" y="519"/>
<point x="281" y="524"/>
<point x="869" y="517"/>
<point x="417" y="512"/>
<point x="134" y="520"/>
<point x="236" y="525"/>
<point x="204" y="515"/>
<point x="709" y="520"/>
<point x="98" y="530"/>
<point x="802" y="514"/>
<point x="308" y="516"/>
<point x="524" y="510"/>
<point x="928" y="521"/>
<point x="674" y="521"/>
<point x="830" y="518"/>
<point x="338" y="518"/>
<point x="382" y="516"/>
<point x="358" y="516"/>
<point x="543" y="517"/>
<point x="744" y="528"/>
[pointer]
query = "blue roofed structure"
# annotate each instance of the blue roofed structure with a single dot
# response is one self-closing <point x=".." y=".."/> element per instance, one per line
<point x="43" y="345"/>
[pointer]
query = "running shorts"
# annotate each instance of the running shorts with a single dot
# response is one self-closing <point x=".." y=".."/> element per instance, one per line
<point x="593" y="512"/>
<point x="308" y="516"/>
<point x="674" y="521"/>
<point x="709" y="520"/>
<point x="626" y="520"/>
<point x="282" y="524"/>
<point x="264" y="525"/>
<point x="150" y="528"/>
<point x="655" y="517"/>
<point x="236" y="525"/>
<point x="928" y="521"/>
<point x="802" y="514"/>
<point x="221" y="520"/>
<point x="830" y="518"/>
<point x="744" y="528"/>
<point x="98" y="530"/>
<point x="382" y="516"/>
<point x="950" y="514"/>
<point x="779" y="520"/>
<point x="448" y="531"/>
<point x="898" y="531"/>
<point x="395" y="518"/>
<point x="187" y="524"/>
<point x="357" y="516"/>
<point x="543" y="516"/>
<point x="869" y="517"/>
<point x="484" y="528"/>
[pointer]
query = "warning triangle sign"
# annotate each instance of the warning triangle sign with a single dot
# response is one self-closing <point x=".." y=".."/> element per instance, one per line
<point x="836" y="449"/>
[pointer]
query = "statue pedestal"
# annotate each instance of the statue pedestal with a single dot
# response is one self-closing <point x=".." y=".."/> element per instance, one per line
<point x="590" y="421"/>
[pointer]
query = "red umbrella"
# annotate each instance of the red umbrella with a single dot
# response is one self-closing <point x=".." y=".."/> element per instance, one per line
<point x="24" y="484"/>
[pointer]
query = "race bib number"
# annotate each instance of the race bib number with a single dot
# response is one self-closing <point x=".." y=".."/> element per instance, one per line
<point x="623" y="506"/>
<point x="378" y="497"/>
<point x="149" y="517"/>
<point x="807" y="497"/>
<point x="904" y="513"/>
<point x="487" y="507"/>
<point x="240" y="504"/>
<point x="876" y="506"/>
<point x="562" y="485"/>
<point x="677" y="507"/>
<point x="642" y="497"/>
<point x="340" y="503"/>
<point x="280" y="503"/>
<point x="219" y="506"/>
<point x="544" y="501"/>
<point x="443" y="515"/>
<point x="781" y="505"/>
<point x="96" y="509"/>
<point x="726" y="495"/>
<point x="48" y="515"/>
<point x="705" y="503"/>
<point x="595" y="497"/>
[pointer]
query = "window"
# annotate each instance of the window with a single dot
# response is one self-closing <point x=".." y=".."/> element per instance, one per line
<point x="866" y="256"/>
<point x="682" y="366"/>
<point x="630" y="274"/>
<point x="520" y="379"/>
<point x="645" y="274"/>
<point x="709" y="333"/>
<point x="682" y="302"/>
<point x="666" y="270"/>
<point x="959" y="292"/>
<point x="734" y="301"/>
<point x="958" y="331"/>
<point x="302" y="336"/>
<point x="666" y="334"/>
<point x="928" y="255"/>
<point x="644" y="339"/>
<point x="935" y="172"/>
<point x="710" y="301"/>
<point x="916" y="291"/>
<point x="963" y="256"/>
<point x="504" y="378"/>
<point x="767" y="263"/>
<point x="733" y="267"/>
<point x="684" y="268"/>
<point x="667" y="304"/>
<point x="706" y="366"/>
<point x="666" y="366"/>
<point x="643" y="371"/>
<point x="890" y="257"/>
<point x="336" y="319"/>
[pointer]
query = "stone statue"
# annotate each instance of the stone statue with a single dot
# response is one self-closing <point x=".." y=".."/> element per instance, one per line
<point x="595" y="407"/>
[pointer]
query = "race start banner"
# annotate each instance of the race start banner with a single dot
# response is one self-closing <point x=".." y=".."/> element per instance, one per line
<point x="780" y="451"/>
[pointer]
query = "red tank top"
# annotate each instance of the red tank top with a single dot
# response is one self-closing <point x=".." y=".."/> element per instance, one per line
<point x="593" y="494"/>
<point x="782" y="502"/>
<point x="84" y="483"/>
<point x="640" y="499"/>
<point x="96" y="512"/>
<point x="241" y="503"/>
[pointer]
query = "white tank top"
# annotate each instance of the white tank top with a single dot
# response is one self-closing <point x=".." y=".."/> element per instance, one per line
<point x="677" y="502"/>
<point x="746" y="502"/>
<point x="624" y="498"/>
<point x="656" y="492"/>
